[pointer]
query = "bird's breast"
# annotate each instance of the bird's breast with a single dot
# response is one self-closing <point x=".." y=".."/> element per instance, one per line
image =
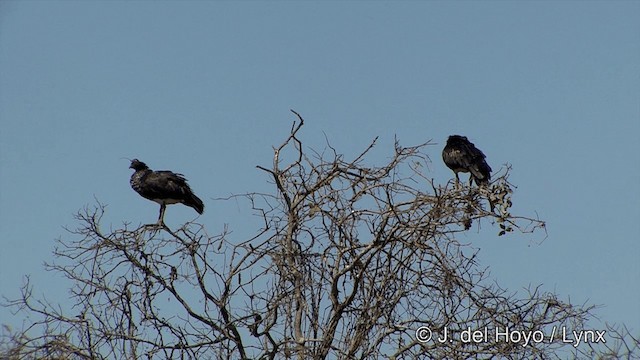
<point x="136" y="181"/>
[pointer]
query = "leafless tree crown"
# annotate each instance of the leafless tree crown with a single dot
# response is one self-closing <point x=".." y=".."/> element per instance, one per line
<point x="351" y="261"/>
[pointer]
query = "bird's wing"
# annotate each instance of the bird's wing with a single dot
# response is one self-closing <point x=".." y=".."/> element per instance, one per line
<point x="457" y="157"/>
<point x="166" y="185"/>
<point x="464" y="156"/>
<point x="472" y="152"/>
<point x="475" y="161"/>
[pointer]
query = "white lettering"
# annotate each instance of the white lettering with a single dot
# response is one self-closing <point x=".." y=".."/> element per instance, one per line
<point x="505" y="334"/>
<point x="564" y="336"/>
<point x="537" y="336"/>
<point x="527" y="337"/>
<point x="465" y="335"/>
<point x="515" y="336"/>
<point x="578" y="336"/>
<point x="473" y="336"/>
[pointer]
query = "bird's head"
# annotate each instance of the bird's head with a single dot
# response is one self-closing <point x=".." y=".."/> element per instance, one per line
<point x="137" y="165"/>
<point x="456" y="138"/>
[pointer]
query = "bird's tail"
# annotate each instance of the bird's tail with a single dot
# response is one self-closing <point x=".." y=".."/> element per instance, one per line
<point x="195" y="203"/>
<point x="481" y="173"/>
<point x="481" y="182"/>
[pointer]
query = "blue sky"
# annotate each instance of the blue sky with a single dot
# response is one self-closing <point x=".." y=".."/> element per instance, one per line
<point x="205" y="88"/>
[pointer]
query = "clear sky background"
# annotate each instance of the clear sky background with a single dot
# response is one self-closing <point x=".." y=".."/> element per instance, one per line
<point x="205" y="88"/>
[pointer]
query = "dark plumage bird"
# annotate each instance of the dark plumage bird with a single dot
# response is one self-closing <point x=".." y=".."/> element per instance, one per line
<point x="460" y="155"/>
<point x="163" y="187"/>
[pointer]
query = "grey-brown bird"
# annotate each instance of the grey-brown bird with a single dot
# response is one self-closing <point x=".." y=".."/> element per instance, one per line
<point x="461" y="155"/>
<point x="164" y="187"/>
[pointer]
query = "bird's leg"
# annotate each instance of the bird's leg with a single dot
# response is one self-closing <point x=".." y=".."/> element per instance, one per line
<point x="457" y="180"/>
<point x="163" y="207"/>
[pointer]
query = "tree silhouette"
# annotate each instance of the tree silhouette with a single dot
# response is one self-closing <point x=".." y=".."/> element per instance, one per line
<point x="352" y="261"/>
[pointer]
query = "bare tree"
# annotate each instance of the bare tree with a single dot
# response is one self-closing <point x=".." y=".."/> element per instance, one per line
<point x="352" y="261"/>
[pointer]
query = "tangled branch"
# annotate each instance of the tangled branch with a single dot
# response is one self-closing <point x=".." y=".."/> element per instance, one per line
<point x="351" y="260"/>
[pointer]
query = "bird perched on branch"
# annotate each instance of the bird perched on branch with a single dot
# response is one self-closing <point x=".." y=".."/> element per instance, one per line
<point x="460" y="155"/>
<point x="163" y="187"/>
